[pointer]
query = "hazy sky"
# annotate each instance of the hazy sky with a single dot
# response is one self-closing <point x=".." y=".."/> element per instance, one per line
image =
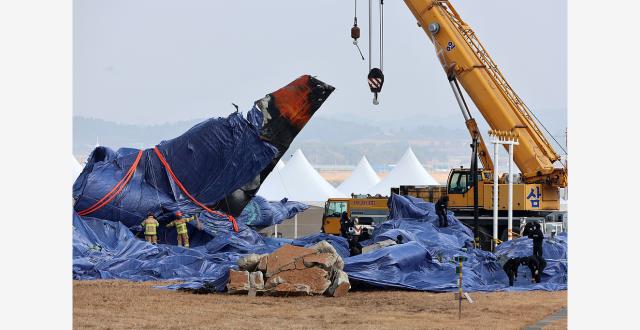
<point x="154" y="61"/>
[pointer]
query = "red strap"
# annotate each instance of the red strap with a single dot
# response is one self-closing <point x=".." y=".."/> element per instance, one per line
<point x="184" y="190"/>
<point x="116" y="189"/>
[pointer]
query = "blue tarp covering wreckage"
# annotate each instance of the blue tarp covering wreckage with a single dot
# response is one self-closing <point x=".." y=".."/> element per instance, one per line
<point x="104" y="249"/>
<point x="424" y="262"/>
<point x="221" y="163"/>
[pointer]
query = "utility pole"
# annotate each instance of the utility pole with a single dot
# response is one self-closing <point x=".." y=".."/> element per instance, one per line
<point x="510" y="139"/>
<point x="474" y="175"/>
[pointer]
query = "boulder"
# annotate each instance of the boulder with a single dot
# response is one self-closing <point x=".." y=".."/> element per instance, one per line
<point x="317" y="279"/>
<point x="249" y="262"/>
<point x="256" y="281"/>
<point x="322" y="260"/>
<point x="262" y="265"/>
<point x="238" y="281"/>
<point x="339" y="284"/>
<point x="288" y="289"/>
<point x="326" y="247"/>
<point x="284" y="258"/>
<point x="291" y="271"/>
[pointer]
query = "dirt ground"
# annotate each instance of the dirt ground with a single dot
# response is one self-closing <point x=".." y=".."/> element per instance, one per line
<point x="557" y="325"/>
<point x="127" y="305"/>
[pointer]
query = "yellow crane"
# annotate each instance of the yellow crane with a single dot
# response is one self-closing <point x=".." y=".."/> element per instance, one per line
<point x="467" y="63"/>
<point x="465" y="60"/>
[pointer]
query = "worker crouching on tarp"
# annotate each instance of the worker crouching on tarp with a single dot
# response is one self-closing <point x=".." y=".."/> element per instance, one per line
<point x="441" y="211"/>
<point x="511" y="268"/>
<point x="150" y="225"/>
<point x="536" y="265"/>
<point x="181" y="227"/>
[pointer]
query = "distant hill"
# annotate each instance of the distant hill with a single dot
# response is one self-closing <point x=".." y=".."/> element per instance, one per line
<point x="325" y="141"/>
<point x="88" y="131"/>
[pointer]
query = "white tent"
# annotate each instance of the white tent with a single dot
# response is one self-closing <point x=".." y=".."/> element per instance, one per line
<point x="408" y="171"/>
<point x="302" y="183"/>
<point x="76" y="168"/>
<point x="273" y="187"/>
<point x="361" y="179"/>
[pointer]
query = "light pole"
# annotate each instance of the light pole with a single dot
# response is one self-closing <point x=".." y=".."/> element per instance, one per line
<point x="510" y="139"/>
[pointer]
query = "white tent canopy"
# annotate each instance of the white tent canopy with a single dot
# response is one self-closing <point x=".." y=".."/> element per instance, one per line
<point x="273" y="188"/>
<point x="76" y="168"/>
<point x="361" y="179"/>
<point x="408" y="171"/>
<point x="300" y="182"/>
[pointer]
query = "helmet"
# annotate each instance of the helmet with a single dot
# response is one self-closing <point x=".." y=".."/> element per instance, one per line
<point x="178" y="213"/>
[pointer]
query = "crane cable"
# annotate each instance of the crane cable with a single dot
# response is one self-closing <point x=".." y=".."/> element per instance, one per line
<point x="370" y="14"/>
<point x="551" y="135"/>
<point x="355" y="30"/>
<point x="381" y="32"/>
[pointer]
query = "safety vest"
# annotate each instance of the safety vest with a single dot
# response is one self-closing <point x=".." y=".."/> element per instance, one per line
<point x="150" y="225"/>
<point x="181" y="225"/>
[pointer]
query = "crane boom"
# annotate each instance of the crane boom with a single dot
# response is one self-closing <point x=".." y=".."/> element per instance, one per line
<point x="463" y="56"/>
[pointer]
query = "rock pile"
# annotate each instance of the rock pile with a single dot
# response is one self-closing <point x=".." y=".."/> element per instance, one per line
<point x="291" y="270"/>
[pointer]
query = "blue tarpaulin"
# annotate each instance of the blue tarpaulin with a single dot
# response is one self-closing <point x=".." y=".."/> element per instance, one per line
<point x="104" y="249"/>
<point x="218" y="164"/>
<point x="203" y="158"/>
<point x="425" y="261"/>
<point x="260" y="213"/>
<point x="107" y="249"/>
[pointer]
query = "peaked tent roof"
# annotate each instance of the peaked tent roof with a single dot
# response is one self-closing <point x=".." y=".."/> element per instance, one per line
<point x="408" y="171"/>
<point x="361" y="179"/>
<point x="273" y="187"/>
<point x="76" y="168"/>
<point x="303" y="183"/>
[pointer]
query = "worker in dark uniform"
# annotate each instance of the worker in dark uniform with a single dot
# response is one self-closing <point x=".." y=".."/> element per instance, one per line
<point x="441" y="210"/>
<point x="537" y="265"/>
<point x="355" y="247"/>
<point x="528" y="229"/>
<point x="511" y="268"/>
<point x="344" y="225"/>
<point x="364" y="235"/>
<point x="537" y="237"/>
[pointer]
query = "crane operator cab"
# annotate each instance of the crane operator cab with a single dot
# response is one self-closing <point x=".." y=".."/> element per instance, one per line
<point x="333" y="209"/>
<point x="460" y="186"/>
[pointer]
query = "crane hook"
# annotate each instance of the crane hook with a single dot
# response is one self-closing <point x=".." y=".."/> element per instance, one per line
<point x="376" y="80"/>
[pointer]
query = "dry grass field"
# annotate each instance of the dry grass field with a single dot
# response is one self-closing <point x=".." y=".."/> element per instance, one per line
<point x="129" y="305"/>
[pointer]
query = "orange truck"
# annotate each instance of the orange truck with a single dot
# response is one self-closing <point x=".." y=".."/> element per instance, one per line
<point x="369" y="211"/>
